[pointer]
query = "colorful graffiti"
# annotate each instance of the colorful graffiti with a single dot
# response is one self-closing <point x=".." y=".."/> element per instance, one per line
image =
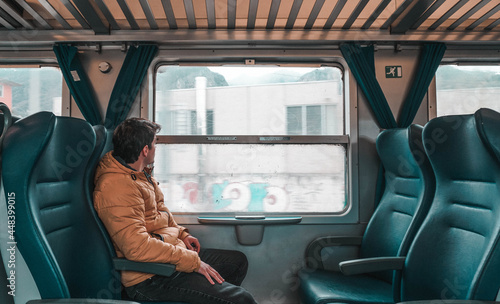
<point x="240" y="196"/>
<point x="252" y="197"/>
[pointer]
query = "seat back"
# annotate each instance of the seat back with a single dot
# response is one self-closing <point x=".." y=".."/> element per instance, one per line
<point x="409" y="188"/>
<point x="455" y="254"/>
<point x="47" y="162"/>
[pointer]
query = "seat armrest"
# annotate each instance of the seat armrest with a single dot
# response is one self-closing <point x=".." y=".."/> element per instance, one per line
<point x="79" y="301"/>
<point x="313" y="251"/>
<point x="360" y="266"/>
<point x="154" y="268"/>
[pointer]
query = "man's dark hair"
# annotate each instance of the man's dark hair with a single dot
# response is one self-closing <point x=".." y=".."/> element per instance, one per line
<point x="130" y="137"/>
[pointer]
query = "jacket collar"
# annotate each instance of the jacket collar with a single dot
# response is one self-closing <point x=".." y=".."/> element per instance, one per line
<point x="146" y="171"/>
<point x="121" y="161"/>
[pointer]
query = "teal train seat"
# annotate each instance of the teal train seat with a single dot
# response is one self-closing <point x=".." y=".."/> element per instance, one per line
<point x="49" y="163"/>
<point x="455" y="254"/>
<point x="408" y="193"/>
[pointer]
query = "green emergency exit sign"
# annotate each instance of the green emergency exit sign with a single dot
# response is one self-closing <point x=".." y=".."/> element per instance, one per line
<point x="393" y="71"/>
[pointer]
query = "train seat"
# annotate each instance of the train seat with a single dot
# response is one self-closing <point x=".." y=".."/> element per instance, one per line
<point x="455" y="253"/>
<point x="409" y="188"/>
<point x="48" y="162"/>
<point x="19" y="289"/>
<point x="45" y="162"/>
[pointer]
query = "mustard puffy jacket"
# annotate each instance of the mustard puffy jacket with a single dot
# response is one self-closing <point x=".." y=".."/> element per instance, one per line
<point x="132" y="209"/>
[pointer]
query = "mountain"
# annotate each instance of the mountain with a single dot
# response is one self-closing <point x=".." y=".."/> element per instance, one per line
<point x="320" y="75"/>
<point x="172" y="78"/>
<point x="451" y="77"/>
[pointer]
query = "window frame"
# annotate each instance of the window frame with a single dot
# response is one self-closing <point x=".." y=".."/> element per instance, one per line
<point x="348" y="139"/>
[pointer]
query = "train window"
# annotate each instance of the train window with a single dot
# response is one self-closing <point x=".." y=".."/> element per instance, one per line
<point x="251" y="139"/>
<point x="30" y="90"/>
<point x="465" y="89"/>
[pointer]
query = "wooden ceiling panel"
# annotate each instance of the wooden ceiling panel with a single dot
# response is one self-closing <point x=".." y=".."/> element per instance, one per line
<point x="387" y="18"/>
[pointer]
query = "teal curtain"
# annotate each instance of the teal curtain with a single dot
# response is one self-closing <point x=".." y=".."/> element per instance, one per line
<point x="128" y="83"/>
<point x="78" y="82"/>
<point x="361" y="62"/>
<point x="430" y="58"/>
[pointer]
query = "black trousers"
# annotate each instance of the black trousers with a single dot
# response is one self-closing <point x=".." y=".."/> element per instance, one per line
<point x="195" y="288"/>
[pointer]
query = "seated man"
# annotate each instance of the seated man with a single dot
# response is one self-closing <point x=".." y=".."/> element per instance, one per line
<point x="131" y="206"/>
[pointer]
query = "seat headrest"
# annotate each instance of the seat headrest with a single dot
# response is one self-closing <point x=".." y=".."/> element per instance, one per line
<point x="30" y="141"/>
<point x="6" y="120"/>
<point x="488" y="127"/>
<point x="401" y="149"/>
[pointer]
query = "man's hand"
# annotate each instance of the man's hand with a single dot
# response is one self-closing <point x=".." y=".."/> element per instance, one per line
<point x="192" y="243"/>
<point x="210" y="273"/>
